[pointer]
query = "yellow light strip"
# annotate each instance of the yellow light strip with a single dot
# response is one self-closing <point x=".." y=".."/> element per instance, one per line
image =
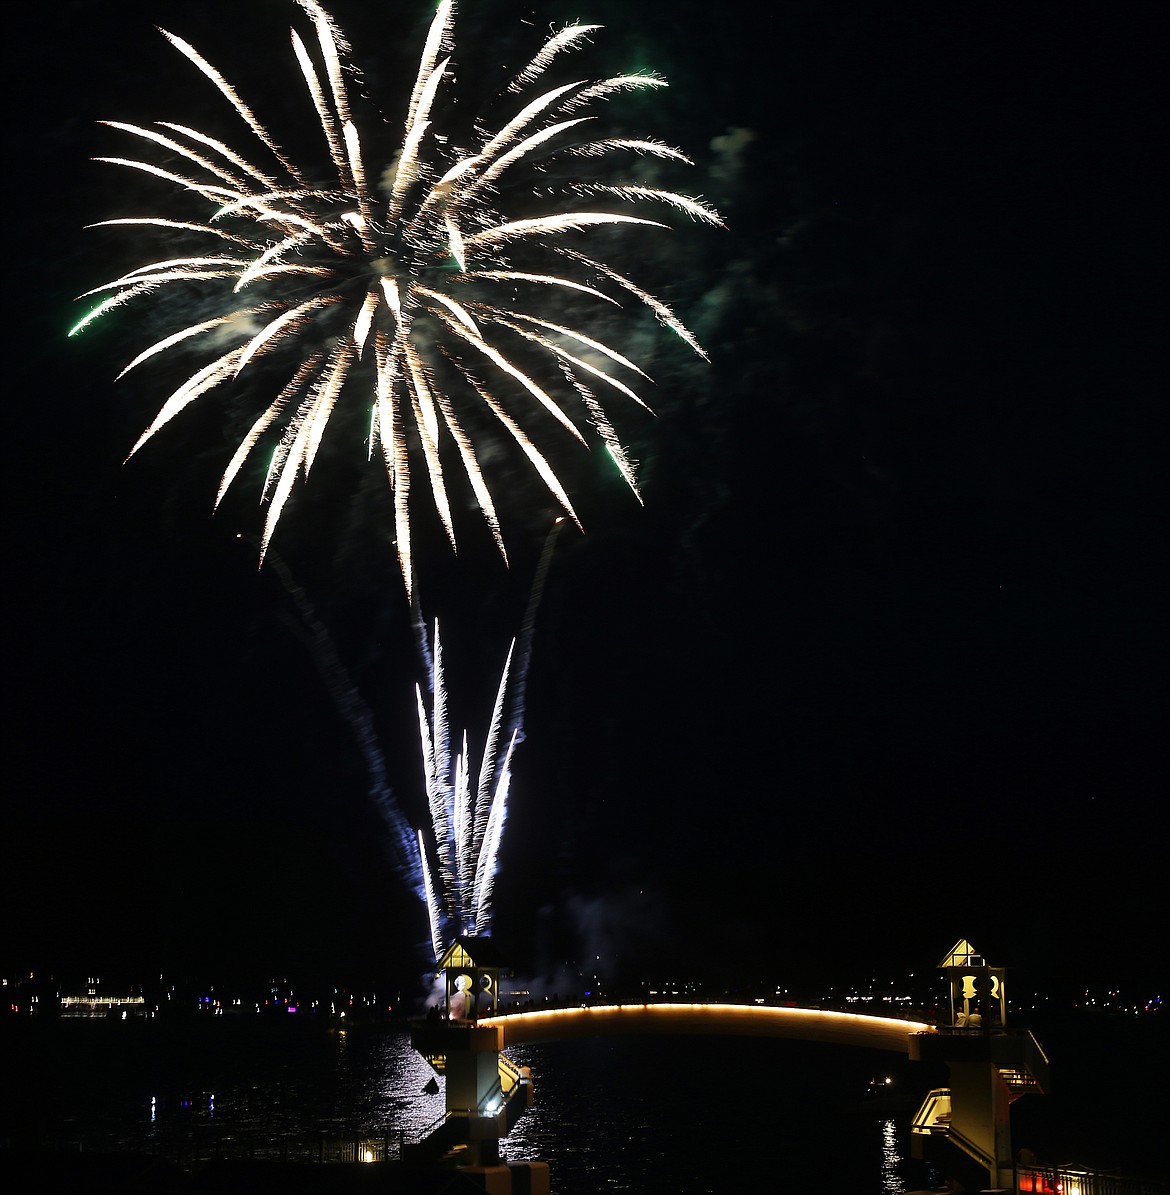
<point x="809" y="1023"/>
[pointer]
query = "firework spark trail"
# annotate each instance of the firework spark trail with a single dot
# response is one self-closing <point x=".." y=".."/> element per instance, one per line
<point x="514" y="726"/>
<point x="358" y="716"/>
<point x="416" y="277"/>
<point x="467" y="805"/>
<point x="455" y="876"/>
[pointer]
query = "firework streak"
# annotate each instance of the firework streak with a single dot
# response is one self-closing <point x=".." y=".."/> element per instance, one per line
<point x="419" y="286"/>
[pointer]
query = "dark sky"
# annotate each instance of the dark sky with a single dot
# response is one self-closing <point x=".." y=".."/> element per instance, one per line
<point x="880" y="663"/>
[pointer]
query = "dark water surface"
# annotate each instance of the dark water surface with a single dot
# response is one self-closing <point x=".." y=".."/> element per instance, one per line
<point x="631" y="1114"/>
<point x="710" y="1115"/>
<point x="675" y="1114"/>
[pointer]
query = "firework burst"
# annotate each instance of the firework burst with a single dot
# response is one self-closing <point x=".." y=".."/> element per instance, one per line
<point x="421" y="293"/>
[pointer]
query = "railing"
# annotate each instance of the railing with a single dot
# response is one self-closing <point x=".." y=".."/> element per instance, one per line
<point x="971" y="1149"/>
<point x="1067" y="1180"/>
<point x="936" y="1109"/>
<point x="510" y="1072"/>
<point x="202" y="1146"/>
<point x="1015" y="1051"/>
<point x="934" y="1117"/>
<point x="1019" y="1051"/>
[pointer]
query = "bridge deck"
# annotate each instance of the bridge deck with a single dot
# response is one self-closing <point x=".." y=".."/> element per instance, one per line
<point x="806" y="1024"/>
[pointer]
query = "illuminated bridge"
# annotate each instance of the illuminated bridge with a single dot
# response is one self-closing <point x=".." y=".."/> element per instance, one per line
<point x="805" y="1024"/>
<point x="965" y="1125"/>
<point x="486" y="1093"/>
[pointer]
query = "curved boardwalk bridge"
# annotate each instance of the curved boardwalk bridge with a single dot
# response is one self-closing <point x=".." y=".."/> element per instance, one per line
<point x="805" y="1024"/>
<point x="486" y="1093"/>
<point x="966" y="1123"/>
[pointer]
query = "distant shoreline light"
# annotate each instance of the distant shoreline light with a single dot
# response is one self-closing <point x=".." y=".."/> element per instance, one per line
<point x="100" y="1006"/>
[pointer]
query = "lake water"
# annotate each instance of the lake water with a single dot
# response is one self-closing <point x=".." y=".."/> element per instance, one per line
<point x="626" y="1114"/>
<point x="684" y="1113"/>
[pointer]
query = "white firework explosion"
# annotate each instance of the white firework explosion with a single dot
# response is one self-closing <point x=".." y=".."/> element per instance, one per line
<point x="420" y="293"/>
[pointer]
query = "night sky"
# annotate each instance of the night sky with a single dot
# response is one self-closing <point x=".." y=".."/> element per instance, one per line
<point x="879" y="664"/>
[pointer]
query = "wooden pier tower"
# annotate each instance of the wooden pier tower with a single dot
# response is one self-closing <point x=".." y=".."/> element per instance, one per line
<point x="485" y="1094"/>
<point x="966" y="1126"/>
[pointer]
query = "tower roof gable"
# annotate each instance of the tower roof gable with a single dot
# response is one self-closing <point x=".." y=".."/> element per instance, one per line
<point x="962" y="954"/>
<point x="470" y="952"/>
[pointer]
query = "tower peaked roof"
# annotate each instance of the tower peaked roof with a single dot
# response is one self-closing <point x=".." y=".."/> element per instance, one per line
<point x="963" y="954"/>
<point x="470" y="952"/>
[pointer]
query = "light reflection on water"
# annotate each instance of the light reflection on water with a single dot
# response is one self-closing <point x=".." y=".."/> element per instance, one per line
<point x="404" y="1074"/>
<point x="704" y="1116"/>
<point x="140" y="1087"/>
<point x="891" y="1155"/>
<point x="360" y="1081"/>
<point x="624" y="1114"/>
